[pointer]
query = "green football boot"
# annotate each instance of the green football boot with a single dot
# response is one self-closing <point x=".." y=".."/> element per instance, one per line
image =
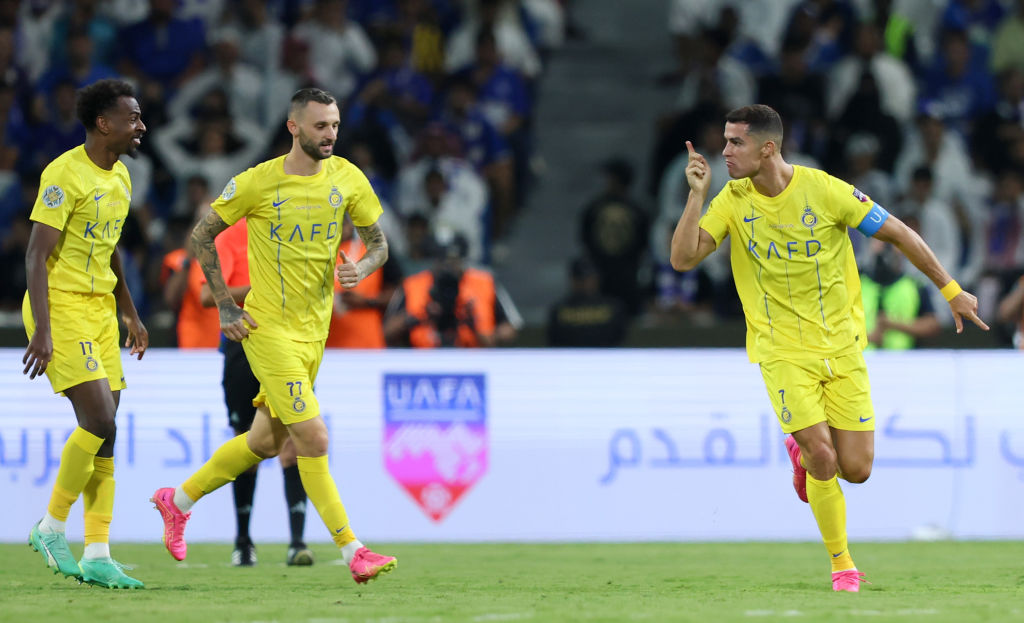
<point x="108" y="573"/>
<point x="55" y="551"/>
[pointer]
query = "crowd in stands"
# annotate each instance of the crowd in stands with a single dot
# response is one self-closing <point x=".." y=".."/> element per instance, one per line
<point x="436" y="98"/>
<point x="918" y="103"/>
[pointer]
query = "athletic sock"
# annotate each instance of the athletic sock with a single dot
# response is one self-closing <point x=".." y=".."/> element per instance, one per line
<point x="316" y="479"/>
<point x="98" y="498"/>
<point x="230" y="460"/>
<point x="76" y="467"/>
<point x="244" y="488"/>
<point x="829" y="508"/>
<point x="295" y="495"/>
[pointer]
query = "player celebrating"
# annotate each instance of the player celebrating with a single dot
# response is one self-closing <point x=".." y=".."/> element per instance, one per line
<point x="294" y="207"/>
<point x="795" y="272"/>
<point x="74" y="275"/>
<point x="240" y="387"/>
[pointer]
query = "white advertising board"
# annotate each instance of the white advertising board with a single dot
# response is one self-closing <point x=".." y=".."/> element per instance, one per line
<point x="511" y="445"/>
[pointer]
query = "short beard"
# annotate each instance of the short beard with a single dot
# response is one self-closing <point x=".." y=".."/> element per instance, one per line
<point x="312" y="149"/>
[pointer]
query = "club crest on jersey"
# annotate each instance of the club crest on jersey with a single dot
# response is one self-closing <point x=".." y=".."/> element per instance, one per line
<point x="229" y="190"/>
<point x="91" y="364"/>
<point x="335" y="197"/>
<point x="860" y="196"/>
<point x="786" y="415"/>
<point x="53" y="196"/>
<point x="299" y="405"/>
<point x="809" y="219"/>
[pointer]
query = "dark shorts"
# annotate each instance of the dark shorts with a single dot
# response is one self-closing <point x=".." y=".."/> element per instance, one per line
<point x="240" y="387"/>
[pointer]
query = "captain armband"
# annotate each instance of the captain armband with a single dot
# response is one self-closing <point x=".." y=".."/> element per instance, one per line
<point x="873" y="221"/>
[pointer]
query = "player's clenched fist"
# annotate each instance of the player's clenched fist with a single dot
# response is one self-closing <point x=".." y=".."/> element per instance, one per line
<point x="698" y="173"/>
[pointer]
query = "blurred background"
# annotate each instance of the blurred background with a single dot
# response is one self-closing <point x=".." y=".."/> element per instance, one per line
<point x="541" y="143"/>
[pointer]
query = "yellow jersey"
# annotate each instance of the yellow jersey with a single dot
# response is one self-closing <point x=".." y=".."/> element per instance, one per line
<point x="294" y="226"/>
<point x="793" y="263"/>
<point x="88" y="205"/>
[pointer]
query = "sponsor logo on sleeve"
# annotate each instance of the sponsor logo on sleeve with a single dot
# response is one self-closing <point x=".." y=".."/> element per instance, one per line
<point x="860" y="196"/>
<point x="53" y="196"/>
<point x="229" y="190"/>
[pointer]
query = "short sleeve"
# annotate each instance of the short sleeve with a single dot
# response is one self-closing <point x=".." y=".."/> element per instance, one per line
<point x="715" y="221"/>
<point x="363" y="204"/>
<point x="56" y="200"/>
<point x="856" y="209"/>
<point x="239" y="197"/>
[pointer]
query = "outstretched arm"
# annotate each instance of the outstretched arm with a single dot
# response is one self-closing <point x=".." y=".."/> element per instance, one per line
<point x="233" y="319"/>
<point x="351" y="273"/>
<point x="962" y="304"/>
<point x="690" y="243"/>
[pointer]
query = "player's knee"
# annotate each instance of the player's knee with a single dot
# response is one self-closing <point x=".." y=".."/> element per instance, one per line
<point x="102" y="427"/>
<point x="858" y="473"/>
<point x="263" y="446"/>
<point x="820" y="459"/>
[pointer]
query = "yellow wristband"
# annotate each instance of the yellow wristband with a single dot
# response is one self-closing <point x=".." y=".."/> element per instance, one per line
<point x="951" y="290"/>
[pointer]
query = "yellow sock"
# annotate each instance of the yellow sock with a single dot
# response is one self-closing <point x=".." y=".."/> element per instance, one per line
<point x="230" y="460"/>
<point x="98" y="496"/>
<point x="76" y="465"/>
<point x="829" y="508"/>
<point x="320" y="488"/>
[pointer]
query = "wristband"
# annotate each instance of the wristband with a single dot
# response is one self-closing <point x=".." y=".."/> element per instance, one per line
<point x="951" y="290"/>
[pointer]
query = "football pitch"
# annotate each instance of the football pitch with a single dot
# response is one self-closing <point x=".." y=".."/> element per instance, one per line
<point x="706" y="582"/>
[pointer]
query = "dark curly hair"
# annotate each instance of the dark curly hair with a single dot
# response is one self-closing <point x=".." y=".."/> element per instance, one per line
<point x="99" y="97"/>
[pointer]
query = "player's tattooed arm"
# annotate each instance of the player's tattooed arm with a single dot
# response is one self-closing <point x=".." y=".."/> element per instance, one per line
<point x="204" y="248"/>
<point x="376" y="249"/>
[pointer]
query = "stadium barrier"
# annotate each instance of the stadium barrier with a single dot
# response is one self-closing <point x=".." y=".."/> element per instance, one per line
<point x="539" y="445"/>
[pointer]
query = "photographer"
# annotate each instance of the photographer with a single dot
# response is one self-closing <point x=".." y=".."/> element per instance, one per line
<point x="451" y="305"/>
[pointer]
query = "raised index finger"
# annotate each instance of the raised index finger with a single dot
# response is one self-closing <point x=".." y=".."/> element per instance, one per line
<point x="689" y="148"/>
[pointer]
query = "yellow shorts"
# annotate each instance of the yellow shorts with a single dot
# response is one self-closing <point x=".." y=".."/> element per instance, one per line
<point x="834" y="390"/>
<point x="286" y="370"/>
<point x="86" y="339"/>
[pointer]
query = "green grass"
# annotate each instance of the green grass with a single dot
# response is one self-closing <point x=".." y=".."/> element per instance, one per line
<point x="934" y="582"/>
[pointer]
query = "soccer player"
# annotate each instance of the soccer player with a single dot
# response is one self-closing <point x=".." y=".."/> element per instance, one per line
<point x="293" y="207"/>
<point x="795" y="272"/>
<point x="75" y="284"/>
<point x="240" y="387"/>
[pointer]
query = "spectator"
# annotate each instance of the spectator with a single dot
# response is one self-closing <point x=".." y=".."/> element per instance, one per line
<point x="864" y="115"/>
<point x="501" y="17"/>
<point x="59" y="130"/>
<point x="797" y="94"/>
<point x="451" y="305"/>
<point x="829" y="25"/>
<point x="339" y="47"/>
<point x="163" y="48"/>
<point x="215" y="148"/>
<point x="585" y="317"/>
<point x="959" y="82"/>
<point x="930" y="144"/>
<point x="614" y="231"/>
<point x="897" y="309"/>
<point x="734" y="82"/>
<point x="898" y="96"/>
<point x="241" y="83"/>
<point x="1008" y="43"/>
<point x="995" y="133"/>
<point x="80" y="66"/>
<point x="485" y="149"/>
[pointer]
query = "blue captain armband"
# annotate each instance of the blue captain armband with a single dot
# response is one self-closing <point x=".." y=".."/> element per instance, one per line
<point x="873" y="220"/>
